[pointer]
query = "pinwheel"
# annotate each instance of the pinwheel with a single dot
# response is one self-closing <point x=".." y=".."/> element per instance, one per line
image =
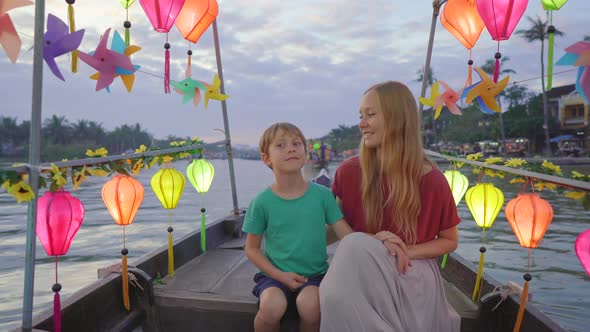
<point x="8" y="37"/>
<point x="106" y="62"/>
<point x="58" y="41"/>
<point x="550" y="6"/>
<point x="578" y="55"/>
<point x="190" y="89"/>
<point x="127" y="24"/>
<point x="485" y="92"/>
<point x="434" y="94"/>
<point x="212" y="91"/>
<point x="500" y="18"/>
<point x="127" y="76"/>
<point x="449" y="98"/>
<point x="462" y="20"/>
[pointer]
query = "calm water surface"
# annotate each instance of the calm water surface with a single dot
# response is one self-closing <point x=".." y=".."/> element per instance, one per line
<point x="560" y="285"/>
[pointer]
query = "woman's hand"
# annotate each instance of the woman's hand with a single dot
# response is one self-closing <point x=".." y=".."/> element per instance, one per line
<point x="386" y="236"/>
<point x="403" y="260"/>
<point x="291" y="280"/>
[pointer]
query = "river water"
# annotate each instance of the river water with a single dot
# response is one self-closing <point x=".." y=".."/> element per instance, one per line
<point x="560" y="286"/>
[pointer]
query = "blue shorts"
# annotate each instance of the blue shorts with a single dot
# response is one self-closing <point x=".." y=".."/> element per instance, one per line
<point x="263" y="282"/>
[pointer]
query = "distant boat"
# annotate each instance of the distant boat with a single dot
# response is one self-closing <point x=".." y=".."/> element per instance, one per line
<point x="323" y="178"/>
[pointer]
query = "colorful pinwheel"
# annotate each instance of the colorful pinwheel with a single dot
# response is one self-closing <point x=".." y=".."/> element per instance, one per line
<point x="190" y="89"/>
<point x="9" y="39"/>
<point x="212" y="91"/>
<point x="578" y="55"/>
<point x="434" y="94"/>
<point x="58" y="41"/>
<point x="127" y="76"/>
<point x="106" y="61"/>
<point x="485" y="92"/>
<point x="449" y="98"/>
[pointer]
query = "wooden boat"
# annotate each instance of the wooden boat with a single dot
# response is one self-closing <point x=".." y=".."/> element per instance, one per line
<point x="211" y="292"/>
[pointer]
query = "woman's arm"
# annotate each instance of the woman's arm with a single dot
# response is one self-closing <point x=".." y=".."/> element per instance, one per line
<point x="445" y="243"/>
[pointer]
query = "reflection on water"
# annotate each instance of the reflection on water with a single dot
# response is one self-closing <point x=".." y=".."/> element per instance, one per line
<point x="559" y="285"/>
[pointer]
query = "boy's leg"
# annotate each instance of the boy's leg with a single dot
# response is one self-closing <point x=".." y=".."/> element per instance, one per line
<point x="308" y="307"/>
<point x="273" y="304"/>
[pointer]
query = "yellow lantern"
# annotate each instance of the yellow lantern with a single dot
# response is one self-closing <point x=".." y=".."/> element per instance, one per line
<point x="459" y="184"/>
<point x="200" y="173"/>
<point x="484" y="201"/>
<point x="168" y="185"/>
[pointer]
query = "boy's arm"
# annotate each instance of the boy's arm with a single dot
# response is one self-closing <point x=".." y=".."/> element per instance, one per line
<point x="257" y="258"/>
<point x="331" y="234"/>
<point x="341" y="229"/>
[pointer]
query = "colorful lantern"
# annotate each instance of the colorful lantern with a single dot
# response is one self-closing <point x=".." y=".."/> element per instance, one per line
<point x="59" y="216"/>
<point x="123" y="195"/>
<point x="58" y="41"/>
<point x="583" y="249"/>
<point x="459" y="184"/>
<point x="550" y="6"/>
<point x="462" y="20"/>
<point x="127" y="24"/>
<point x="500" y="18"/>
<point x="9" y="38"/>
<point x="162" y="14"/>
<point x="200" y="173"/>
<point x="529" y="216"/>
<point x="484" y="201"/>
<point x="168" y="185"/>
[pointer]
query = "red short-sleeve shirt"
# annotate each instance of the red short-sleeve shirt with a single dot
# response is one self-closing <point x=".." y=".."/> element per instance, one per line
<point x="438" y="212"/>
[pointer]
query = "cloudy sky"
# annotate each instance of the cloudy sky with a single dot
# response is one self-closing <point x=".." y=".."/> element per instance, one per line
<point x="302" y="61"/>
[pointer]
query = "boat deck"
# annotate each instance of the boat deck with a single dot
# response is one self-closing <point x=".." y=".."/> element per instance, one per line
<point x="213" y="292"/>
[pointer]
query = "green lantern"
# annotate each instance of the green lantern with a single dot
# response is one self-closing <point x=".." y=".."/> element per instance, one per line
<point x="458" y="183"/>
<point x="200" y="173"/>
<point x="168" y="185"/>
<point x="316" y="146"/>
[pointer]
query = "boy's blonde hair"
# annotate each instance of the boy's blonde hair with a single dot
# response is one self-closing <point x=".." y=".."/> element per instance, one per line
<point x="271" y="132"/>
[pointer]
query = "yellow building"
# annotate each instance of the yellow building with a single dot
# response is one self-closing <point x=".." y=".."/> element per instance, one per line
<point x="573" y="115"/>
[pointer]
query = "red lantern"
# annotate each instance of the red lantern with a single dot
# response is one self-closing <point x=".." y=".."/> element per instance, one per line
<point x="162" y="14"/>
<point x="59" y="216"/>
<point x="500" y="18"/>
<point x="123" y="195"/>
<point x="529" y="216"/>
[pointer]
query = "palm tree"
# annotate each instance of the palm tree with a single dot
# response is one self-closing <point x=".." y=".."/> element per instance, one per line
<point x="488" y="67"/>
<point x="538" y="32"/>
<point x="57" y="129"/>
<point x="429" y="82"/>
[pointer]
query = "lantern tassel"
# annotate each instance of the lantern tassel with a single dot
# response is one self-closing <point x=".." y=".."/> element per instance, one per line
<point x="470" y="75"/>
<point x="203" y="233"/>
<point x="72" y="29"/>
<point x="496" y="70"/>
<point x="523" y="300"/>
<point x="167" y="71"/>
<point x="443" y="264"/>
<point x="188" y="67"/>
<point x="550" y="58"/>
<point x="127" y="37"/>
<point x="125" y="279"/>
<point x="170" y="255"/>
<point x="56" y="312"/>
<point x="476" y="294"/>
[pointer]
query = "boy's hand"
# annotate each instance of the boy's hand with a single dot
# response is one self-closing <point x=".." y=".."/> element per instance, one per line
<point x="292" y="280"/>
<point x="403" y="260"/>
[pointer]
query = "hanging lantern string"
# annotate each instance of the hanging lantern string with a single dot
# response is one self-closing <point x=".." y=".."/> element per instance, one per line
<point x="188" y="66"/>
<point x="551" y="38"/>
<point x="124" y="246"/>
<point x="470" y="73"/>
<point x="497" y="56"/>
<point x="170" y="245"/>
<point x="56" y="269"/>
<point x="167" y="66"/>
<point x="127" y="25"/>
<point x="124" y="275"/>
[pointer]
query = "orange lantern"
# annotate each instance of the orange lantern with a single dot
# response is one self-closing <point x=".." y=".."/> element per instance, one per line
<point x="529" y="216"/>
<point x="462" y="20"/>
<point x="192" y="21"/>
<point x="123" y="195"/>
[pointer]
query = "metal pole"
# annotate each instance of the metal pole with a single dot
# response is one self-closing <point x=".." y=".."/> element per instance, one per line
<point x="34" y="157"/>
<point x="230" y="159"/>
<point x="436" y="4"/>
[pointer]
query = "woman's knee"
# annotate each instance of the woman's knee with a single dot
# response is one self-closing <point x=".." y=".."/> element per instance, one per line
<point x="273" y="305"/>
<point x="356" y="243"/>
<point x="308" y="304"/>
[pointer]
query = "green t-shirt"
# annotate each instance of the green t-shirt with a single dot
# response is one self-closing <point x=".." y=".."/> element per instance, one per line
<point x="294" y="229"/>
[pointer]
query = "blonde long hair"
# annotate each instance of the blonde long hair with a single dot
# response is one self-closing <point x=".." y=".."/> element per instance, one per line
<point x="399" y="164"/>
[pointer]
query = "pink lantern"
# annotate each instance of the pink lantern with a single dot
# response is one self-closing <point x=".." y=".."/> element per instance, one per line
<point x="162" y="14"/>
<point x="583" y="249"/>
<point x="500" y="18"/>
<point x="59" y="216"/>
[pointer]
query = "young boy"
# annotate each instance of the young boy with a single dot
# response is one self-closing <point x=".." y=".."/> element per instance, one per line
<point x="292" y="214"/>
